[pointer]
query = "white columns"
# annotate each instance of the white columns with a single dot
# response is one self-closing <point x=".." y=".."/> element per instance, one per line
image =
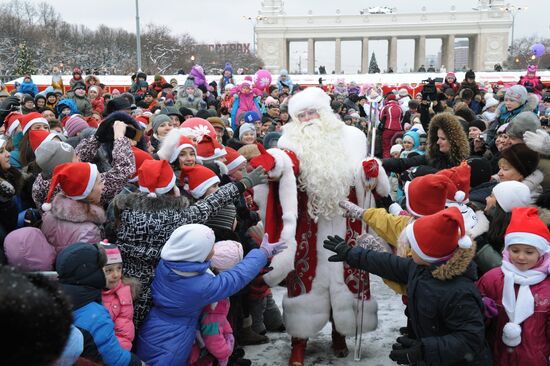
<point x="419" y="52"/>
<point x="311" y="56"/>
<point x="338" y="55"/>
<point x="448" y="52"/>
<point x="392" y="53"/>
<point x="365" y="56"/>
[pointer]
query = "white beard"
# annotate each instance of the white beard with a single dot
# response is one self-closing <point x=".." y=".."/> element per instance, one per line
<point x="325" y="175"/>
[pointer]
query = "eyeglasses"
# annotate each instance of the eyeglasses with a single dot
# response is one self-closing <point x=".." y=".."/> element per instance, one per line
<point x="307" y="113"/>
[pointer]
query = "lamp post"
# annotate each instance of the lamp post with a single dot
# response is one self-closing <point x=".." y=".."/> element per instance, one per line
<point x="254" y="21"/>
<point x="513" y="10"/>
<point x="138" y="37"/>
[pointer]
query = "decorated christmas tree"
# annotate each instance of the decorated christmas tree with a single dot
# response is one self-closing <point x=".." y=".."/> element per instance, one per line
<point x="373" y="66"/>
<point x="24" y="61"/>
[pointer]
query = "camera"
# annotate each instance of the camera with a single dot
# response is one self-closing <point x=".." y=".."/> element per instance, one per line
<point x="429" y="91"/>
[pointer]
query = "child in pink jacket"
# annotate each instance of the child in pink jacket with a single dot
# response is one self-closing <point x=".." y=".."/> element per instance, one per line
<point x="118" y="296"/>
<point x="215" y="339"/>
<point x="519" y="334"/>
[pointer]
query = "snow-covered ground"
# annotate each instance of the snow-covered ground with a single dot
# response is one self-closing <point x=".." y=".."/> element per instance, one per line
<point x="376" y="345"/>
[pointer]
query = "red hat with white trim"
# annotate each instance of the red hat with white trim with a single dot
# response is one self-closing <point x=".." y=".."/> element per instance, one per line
<point x="460" y="176"/>
<point x="30" y="119"/>
<point x="435" y="237"/>
<point x="142" y="120"/>
<point x="199" y="179"/>
<point x="156" y="177"/>
<point x="209" y="149"/>
<point x="233" y="160"/>
<point x="427" y="195"/>
<point x="140" y="157"/>
<point x="77" y="181"/>
<point x="183" y="143"/>
<point x="38" y="137"/>
<point x="527" y="228"/>
<point x="11" y="122"/>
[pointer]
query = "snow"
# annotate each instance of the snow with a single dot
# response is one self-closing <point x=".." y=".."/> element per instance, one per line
<point x="376" y="345"/>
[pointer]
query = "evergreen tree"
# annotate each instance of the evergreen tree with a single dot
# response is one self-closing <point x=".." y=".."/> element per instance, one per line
<point x="373" y="65"/>
<point x="24" y="61"/>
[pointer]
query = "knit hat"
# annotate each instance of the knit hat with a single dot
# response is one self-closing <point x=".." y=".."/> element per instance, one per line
<point x="156" y="177"/>
<point x="512" y="194"/>
<point x="189" y="83"/>
<point x="186" y="112"/>
<point x="434" y="238"/>
<point x="246" y="128"/>
<point x="527" y="228"/>
<point x="523" y="159"/>
<point x="460" y="176"/>
<point x="140" y="157"/>
<point x="477" y="123"/>
<point x="74" y="125"/>
<point x="117" y="104"/>
<point x="189" y="243"/>
<point x="197" y="128"/>
<point x="79" y="85"/>
<point x="227" y="254"/>
<point x="50" y="154"/>
<point x="171" y="111"/>
<point x="396" y="148"/>
<point x="403" y="92"/>
<point x="28" y="249"/>
<point x="112" y="251"/>
<point x="251" y="117"/>
<point x="37" y="137"/>
<point x="11" y="122"/>
<point x="142" y="120"/>
<point x="517" y="93"/>
<point x="77" y="181"/>
<point x="427" y="195"/>
<point x="199" y="179"/>
<point x="233" y="160"/>
<point x="209" y="149"/>
<point x="490" y="102"/>
<point x="81" y="264"/>
<point x="216" y="122"/>
<point x="271" y="139"/>
<point x="27" y="98"/>
<point x="30" y="119"/>
<point x="390" y="97"/>
<point x="158" y="120"/>
<point x="183" y="143"/>
<point x="521" y="123"/>
<point x="93" y="87"/>
<point x="470" y="74"/>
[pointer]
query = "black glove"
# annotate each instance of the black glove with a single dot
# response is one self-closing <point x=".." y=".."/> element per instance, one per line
<point x="384" y="202"/>
<point x="407" y="351"/>
<point x="7" y="106"/>
<point x="337" y="245"/>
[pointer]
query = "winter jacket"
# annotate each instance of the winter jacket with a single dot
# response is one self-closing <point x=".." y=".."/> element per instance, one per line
<point x="144" y="224"/>
<point x="83" y="104"/>
<point x="216" y="333"/>
<point x="28" y="87"/>
<point x="168" y="332"/>
<point x="66" y="103"/>
<point x="71" y="221"/>
<point x="122" y="167"/>
<point x="390" y="116"/>
<point x="445" y="308"/>
<point x="193" y="102"/>
<point x="118" y="302"/>
<point x="534" y="349"/>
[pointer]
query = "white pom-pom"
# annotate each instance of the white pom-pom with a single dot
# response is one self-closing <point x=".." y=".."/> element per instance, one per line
<point x="460" y="196"/>
<point x="465" y="242"/>
<point x="152" y="195"/>
<point x="46" y="206"/>
<point x="511" y="334"/>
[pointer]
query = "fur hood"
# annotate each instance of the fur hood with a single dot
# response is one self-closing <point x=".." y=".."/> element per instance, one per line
<point x="460" y="148"/>
<point x="457" y="265"/>
<point x="138" y="201"/>
<point x="529" y="106"/>
<point x="67" y="209"/>
<point x="544" y="215"/>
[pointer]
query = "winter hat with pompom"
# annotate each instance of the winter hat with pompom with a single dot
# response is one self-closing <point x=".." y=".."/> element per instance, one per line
<point x="156" y="177"/>
<point x="140" y="157"/>
<point x="227" y="254"/>
<point x="199" y="179"/>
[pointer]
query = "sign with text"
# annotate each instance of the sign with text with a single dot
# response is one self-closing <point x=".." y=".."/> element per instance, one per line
<point x="219" y="48"/>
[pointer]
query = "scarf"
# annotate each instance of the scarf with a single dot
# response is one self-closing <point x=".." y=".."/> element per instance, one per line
<point x="520" y="308"/>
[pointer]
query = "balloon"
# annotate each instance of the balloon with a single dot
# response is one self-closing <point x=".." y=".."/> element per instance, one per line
<point x="538" y="49"/>
<point x="262" y="79"/>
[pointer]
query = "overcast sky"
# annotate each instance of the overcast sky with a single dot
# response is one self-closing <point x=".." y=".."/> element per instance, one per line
<point x="223" y="21"/>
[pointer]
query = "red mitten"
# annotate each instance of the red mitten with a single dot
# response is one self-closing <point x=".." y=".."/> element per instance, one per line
<point x="265" y="159"/>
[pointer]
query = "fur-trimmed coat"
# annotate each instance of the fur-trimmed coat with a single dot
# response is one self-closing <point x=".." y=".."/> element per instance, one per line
<point x="71" y="221"/>
<point x="445" y="308"/>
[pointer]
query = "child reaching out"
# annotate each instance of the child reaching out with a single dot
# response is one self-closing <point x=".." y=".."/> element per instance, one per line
<point x="521" y="289"/>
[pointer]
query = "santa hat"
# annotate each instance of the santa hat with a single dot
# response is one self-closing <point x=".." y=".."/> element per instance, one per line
<point x="76" y="180"/>
<point x="233" y="160"/>
<point x="197" y="128"/>
<point x="184" y="142"/>
<point x="30" y="119"/>
<point x="460" y="176"/>
<point x="227" y="254"/>
<point x="112" y="251"/>
<point x="156" y="177"/>
<point x="142" y="120"/>
<point x="199" y="179"/>
<point x="435" y="238"/>
<point x="209" y="149"/>
<point x="427" y="195"/>
<point x="38" y="137"/>
<point x="312" y="97"/>
<point x="189" y="243"/>
<point x="140" y="157"/>
<point x="11" y="122"/>
<point x="527" y="228"/>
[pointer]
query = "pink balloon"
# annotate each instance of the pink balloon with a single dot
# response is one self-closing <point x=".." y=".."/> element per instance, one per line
<point x="262" y="79"/>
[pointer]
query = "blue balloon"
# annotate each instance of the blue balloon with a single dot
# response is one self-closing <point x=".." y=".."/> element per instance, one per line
<point x="538" y="49"/>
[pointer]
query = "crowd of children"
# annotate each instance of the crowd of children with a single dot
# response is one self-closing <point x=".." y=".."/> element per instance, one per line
<point x="138" y="208"/>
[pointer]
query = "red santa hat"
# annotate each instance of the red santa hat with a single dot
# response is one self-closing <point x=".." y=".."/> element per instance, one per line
<point x="142" y="120"/>
<point x="156" y="177"/>
<point x="434" y="238"/>
<point x="76" y="180"/>
<point x="30" y="119"/>
<point x="233" y="160"/>
<point x="140" y="157"/>
<point x="209" y="149"/>
<point x="199" y="179"/>
<point x="38" y="137"/>
<point x="527" y="228"/>
<point x="11" y="122"/>
<point x="460" y="176"/>
<point x="198" y="128"/>
<point x="427" y="195"/>
<point x="184" y="142"/>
